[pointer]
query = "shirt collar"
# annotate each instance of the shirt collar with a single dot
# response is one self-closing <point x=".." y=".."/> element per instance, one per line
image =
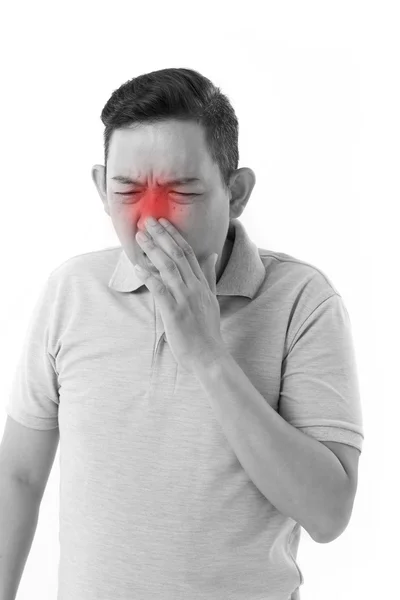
<point x="243" y="274"/>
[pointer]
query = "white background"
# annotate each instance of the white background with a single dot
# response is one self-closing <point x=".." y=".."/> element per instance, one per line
<point x="315" y="86"/>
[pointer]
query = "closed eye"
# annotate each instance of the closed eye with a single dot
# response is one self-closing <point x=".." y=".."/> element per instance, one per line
<point x="133" y="193"/>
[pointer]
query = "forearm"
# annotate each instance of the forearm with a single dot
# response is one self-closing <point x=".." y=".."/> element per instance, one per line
<point x="19" y="512"/>
<point x="300" y="476"/>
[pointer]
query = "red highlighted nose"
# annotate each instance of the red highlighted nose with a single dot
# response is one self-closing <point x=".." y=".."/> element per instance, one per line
<point x="155" y="203"/>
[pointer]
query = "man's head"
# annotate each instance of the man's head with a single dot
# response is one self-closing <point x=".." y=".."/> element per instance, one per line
<point x="167" y="125"/>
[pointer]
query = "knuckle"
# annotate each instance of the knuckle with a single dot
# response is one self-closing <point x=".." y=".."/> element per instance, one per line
<point x="188" y="250"/>
<point x="178" y="253"/>
<point x="170" y="266"/>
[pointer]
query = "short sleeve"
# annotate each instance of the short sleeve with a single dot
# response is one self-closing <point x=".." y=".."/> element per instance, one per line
<point x="319" y="391"/>
<point x="34" y="397"/>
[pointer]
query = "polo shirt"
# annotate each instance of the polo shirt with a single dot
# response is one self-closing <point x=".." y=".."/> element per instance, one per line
<point x="154" y="503"/>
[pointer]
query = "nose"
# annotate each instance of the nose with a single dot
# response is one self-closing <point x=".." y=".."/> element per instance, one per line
<point x="155" y="203"/>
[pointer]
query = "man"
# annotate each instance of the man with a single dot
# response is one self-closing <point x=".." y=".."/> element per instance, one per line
<point x="206" y="412"/>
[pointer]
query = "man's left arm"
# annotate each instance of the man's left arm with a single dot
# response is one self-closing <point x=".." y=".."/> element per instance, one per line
<point x="300" y="476"/>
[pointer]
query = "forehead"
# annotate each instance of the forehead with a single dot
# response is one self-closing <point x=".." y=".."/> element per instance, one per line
<point x="169" y="149"/>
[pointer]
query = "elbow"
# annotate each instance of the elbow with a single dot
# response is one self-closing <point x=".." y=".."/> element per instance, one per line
<point x="335" y="524"/>
<point x="329" y="536"/>
<point x="335" y="529"/>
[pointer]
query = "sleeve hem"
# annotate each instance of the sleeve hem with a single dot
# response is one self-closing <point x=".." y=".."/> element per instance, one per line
<point x="326" y="433"/>
<point x="41" y="423"/>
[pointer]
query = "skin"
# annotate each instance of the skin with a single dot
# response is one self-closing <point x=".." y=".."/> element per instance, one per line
<point x="167" y="150"/>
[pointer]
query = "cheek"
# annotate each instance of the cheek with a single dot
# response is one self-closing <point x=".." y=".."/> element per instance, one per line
<point x="125" y="229"/>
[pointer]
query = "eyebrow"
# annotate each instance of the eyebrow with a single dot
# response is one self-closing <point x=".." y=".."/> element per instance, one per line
<point x="182" y="180"/>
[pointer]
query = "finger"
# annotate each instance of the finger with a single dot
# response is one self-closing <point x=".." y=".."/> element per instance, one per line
<point x="167" y="266"/>
<point x="154" y="272"/>
<point x="155" y="286"/>
<point x="187" y="248"/>
<point x="151" y="268"/>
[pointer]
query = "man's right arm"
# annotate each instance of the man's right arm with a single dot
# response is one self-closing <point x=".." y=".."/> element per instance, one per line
<point x="19" y="514"/>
